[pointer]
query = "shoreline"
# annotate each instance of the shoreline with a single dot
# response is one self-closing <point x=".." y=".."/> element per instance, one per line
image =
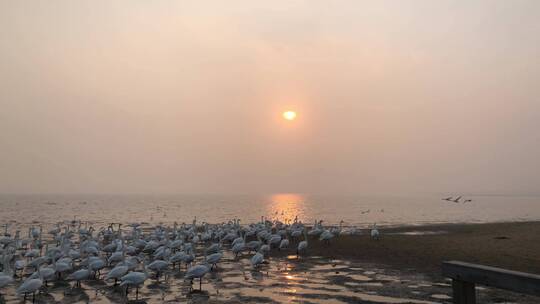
<point x="403" y="266"/>
<point x="392" y="226"/>
<point x="510" y="245"/>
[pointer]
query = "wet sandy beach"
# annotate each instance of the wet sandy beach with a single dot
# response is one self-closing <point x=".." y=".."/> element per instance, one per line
<point x="402" y="267"/>
<point x="310" y="279"/>
<point x="514" y="246"/>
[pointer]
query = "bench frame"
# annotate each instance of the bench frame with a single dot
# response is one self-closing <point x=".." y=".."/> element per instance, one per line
<point x="465" y="275"/>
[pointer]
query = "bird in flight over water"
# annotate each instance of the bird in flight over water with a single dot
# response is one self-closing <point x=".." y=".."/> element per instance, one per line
<point x="457" y="199"/>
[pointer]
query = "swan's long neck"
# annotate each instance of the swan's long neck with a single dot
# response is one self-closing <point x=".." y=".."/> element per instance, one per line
<point x="145" y="271"/>
<point x="4" y="264"/>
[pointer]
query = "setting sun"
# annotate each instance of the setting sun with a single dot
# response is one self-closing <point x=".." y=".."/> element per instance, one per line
<point x="292" y="131"/>
<point x="289" y="115"/>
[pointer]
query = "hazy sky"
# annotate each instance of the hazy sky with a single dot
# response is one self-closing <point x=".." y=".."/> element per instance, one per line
<point x="186" y="97"/>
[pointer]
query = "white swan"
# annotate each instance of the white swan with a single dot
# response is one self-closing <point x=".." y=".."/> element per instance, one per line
<point x="375" y="232"/>
<point x="303" y="245"/>
<point x="116" y="273"/>
<point x="337" y="230"/>
<point x="158" y="266"/>
<point x="213" y="259"/>
<point x="326" y="236"/>
<point x="30" y="286"/>
<point x="275" y="239"/>
<point x="257" y="260"/>
<point x="135" y="279"/>
<point x="177" y="258"/>
<point x="63" y="265"/>
<point x="45" y="274"/>
<point x="5" y="280"/>
<point x="197" y="271"/>
<point x="215" y="247"/>
<point x="96" y="265"/>
<point x="283" y="244"/>
<point x="316" y="230"/>
<point x="79" y="275"/>
<point x="6" y="277"/>
<point x="295" y="234"/>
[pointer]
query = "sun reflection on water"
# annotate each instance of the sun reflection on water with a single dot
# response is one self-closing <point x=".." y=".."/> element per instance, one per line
<point x="285" y="207"/>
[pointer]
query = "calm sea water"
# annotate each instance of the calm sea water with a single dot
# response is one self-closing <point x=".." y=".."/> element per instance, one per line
<point x="353" y="210"/>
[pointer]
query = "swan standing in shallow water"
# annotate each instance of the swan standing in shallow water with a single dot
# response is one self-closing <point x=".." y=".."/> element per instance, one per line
<point x="5" y="280"/>
<point x="337" y="230"/>
<point x="303" y="245"/>
<point x="158" y="266"/>
<point x="257" y="260"/>
<point x="215" y="247"/>
<point x="375" y="232"/>
<point x="116" y="273"/>
<point x="30" y="286"/>
<point x="136" y="279"/>
<point x="275" y="240"/>
<point x="119" y="252"/>
<point x="213" y="259"/>
<point x="96" y="265"/>
<point x="295" y="234"/>
<point x="45" y="274"/>
<point x="254" y="245"/>
<point x="326" y="236"/>
<point x="79" y="275"/>
<point x="238" y="246"/>
<point x="63" y="265"/>
<point x="177" y="258"/>
<point x="197" y="271"/>
<point x="6" y="276"/>
<point x="284" y="244"/>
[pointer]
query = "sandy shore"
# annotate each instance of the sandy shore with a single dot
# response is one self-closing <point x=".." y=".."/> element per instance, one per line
<point x="402" y="267"/>
<point x="514" y="246"/>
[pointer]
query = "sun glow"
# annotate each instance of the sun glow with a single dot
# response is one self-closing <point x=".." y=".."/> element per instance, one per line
<point x="289" y="115"/>
<point x="285" y="207"/>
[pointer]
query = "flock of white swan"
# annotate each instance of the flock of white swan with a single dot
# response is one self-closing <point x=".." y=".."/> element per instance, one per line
<point x="75" y="252"/>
